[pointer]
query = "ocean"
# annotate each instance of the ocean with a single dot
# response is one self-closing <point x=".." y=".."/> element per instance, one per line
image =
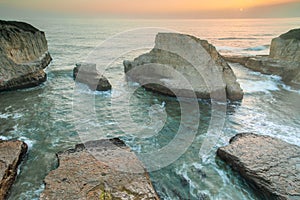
<point x="45" y="117"/>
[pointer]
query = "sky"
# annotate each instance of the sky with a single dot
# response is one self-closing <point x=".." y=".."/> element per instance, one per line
<point x="158" y="8"/>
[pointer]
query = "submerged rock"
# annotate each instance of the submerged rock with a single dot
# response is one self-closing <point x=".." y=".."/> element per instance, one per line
<point x="270" y="165"/>
<point x="11" y="154"/>
<point x="87" y="73"/>
<point x="184" y="66"/>
<point x="284" y="59"/>
<point x="23" y="55"/>
<point x="81" y="176"/>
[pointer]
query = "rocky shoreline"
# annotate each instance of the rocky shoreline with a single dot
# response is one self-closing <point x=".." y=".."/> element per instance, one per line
<point x="270" y="165"/>
<point x="23" y="56"/>
<point x="283" y="60"/>
<point x="80" y="175"/>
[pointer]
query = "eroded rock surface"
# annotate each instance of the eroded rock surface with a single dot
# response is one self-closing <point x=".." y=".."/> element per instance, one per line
<point x="270" y="165"/>
<point x="286" y="46"/>
<point x="23" y="55"/>
<point x="184" y="66"/>
<point x="11" y="154"/>
<point x="82" y="176"/>
<point x="87" y="73"/>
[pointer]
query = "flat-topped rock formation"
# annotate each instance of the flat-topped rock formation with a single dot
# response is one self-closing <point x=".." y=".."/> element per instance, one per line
<point x="11" y="154"/>
<point x="184" y="66"/>
<point x="270" y="165"/>
<point x="284" y="58"/>
<point x="23" y="55"/>
<point x="81" y="176"/>
<point x="87" y="73"/>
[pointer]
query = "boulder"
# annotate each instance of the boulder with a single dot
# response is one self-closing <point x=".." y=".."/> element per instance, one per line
<point x="81" y="176"/>
<point x="286" y="46"/>
<point x="87" y="73"/>
<point x="11" y="154"/>
<point x="23" y="55"/>
<point x="184" y="66"/>
<point x="271" y="166"/>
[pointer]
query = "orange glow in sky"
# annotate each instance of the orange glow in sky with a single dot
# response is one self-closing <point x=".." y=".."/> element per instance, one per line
<point x="140" y="6"/>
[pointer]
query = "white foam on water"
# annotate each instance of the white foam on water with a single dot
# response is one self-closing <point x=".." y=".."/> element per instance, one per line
<point x="258" y="48"/>
<point x="289" y="88"/>
<point x="4" y="116"/>
<point x="259" y="86"/>
<point x="4" y="137"/>
<point x="29" y="142"/>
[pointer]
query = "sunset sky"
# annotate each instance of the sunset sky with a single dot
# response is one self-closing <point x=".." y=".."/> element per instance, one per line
<point x="147" y="7"/>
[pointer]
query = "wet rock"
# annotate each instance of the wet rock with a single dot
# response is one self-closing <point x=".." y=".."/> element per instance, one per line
<point x="270" y="165"/>
<point x="23" y="55"/>
<point x="11" y="154"/>
<point x="111" y="176"/>
<point x="184" y="66"/>
<point x="87" y="73"/>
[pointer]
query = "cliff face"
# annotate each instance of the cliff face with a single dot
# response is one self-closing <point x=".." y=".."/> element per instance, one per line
<point x="286" y="46"/>
<point x="23" y="55"/>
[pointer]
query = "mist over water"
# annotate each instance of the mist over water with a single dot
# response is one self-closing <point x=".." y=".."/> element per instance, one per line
<point x="43" y="116"/>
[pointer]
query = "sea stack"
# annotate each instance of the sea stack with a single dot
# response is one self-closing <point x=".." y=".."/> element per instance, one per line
<point x="88" y="74"/>
<point x="184" y="66"/>
<point x="23" y="55"/>
<point x="283" y="60"/>
<point x="286" y="46"/>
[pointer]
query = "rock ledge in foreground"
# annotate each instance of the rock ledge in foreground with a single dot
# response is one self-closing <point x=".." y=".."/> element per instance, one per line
<point x="270" y="165"/>
<point x="81" y="176"/>
<point x="11" y="154"/>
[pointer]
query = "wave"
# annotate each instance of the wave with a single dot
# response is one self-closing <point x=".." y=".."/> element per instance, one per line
<point x="236" y="38"/>
<point x="258" y="48"/>
<point x="259" y="86"/>
<point x="228" y="49"/>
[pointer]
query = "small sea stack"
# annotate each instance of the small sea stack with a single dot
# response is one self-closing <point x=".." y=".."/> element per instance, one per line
<point x="23" y="55"/>
<point x="87" y="73"/>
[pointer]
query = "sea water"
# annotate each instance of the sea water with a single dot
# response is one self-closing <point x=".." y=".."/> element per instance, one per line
<point x="43" y="116"/>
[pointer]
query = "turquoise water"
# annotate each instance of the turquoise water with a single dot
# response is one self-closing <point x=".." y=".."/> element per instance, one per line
<point x="44" y="116"/>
